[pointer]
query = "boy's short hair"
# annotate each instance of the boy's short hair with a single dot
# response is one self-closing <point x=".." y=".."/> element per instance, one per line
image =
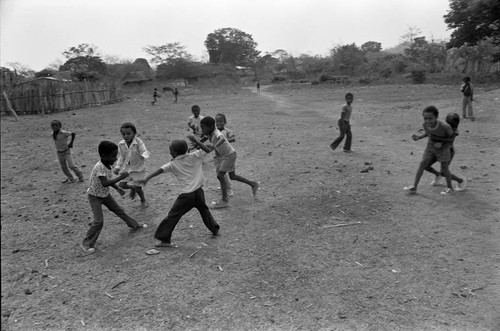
<point x="453" y="119"/>
<point x="467" y="79"/>
<point x="128" y="125"/>
<point x="207" y="121"/>
<point x="431" y="109"/>
<point x="56" y="122"/>
<point x="349" y="94"/>
<point x="195" y="107"/>
<point x="106" y="147"/>
<point x="178" y="147"/>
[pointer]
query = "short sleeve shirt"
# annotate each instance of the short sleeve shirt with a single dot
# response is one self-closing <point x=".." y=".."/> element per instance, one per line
<point x="441" y="130"/>
<point x="346" y="113"/>
<point x="223" y="149"/>
<point x="187" y="168"/>
<point x="61" y="140"/>
<point x="95" y="186"/>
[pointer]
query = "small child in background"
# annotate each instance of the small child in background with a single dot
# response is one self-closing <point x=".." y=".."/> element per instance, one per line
<point x="176" y="95"/>
<point x="228" y="159"/>
<point x="63" y="148"/>
<point x="453" y="119"/>
<point x="438" y="148"/>
<point x="187" y="168"/>
<point x="132" y="155"/>
<point x="194" y="124"/>
<point x="468" y="97"/>
<point x="155" y="96"/>
<point x="220" y="122"/>
<point x="344" y="125"/>
<point x="98" y="195"/>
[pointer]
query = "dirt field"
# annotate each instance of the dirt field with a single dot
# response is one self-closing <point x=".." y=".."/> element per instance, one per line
<point x="325" y="246"/>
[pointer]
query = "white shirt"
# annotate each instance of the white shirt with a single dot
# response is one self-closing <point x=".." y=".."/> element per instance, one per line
<point x="223" y="149"/>
<point x="187" y="169"/>
<point x="132" y="158"/>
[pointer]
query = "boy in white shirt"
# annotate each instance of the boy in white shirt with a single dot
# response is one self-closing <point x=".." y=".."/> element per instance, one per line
<point x="187" y="168"/>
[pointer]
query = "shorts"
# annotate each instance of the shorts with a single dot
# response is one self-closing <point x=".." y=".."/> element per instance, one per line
<point x="225" y="163"/>
<point x="433" y="154"/>
<point x="134" y="176"/>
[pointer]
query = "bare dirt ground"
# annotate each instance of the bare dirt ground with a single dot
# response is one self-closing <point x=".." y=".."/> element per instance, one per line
<point x="281" y="262"/>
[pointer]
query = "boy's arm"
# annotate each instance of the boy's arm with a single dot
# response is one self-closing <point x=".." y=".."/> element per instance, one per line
<point x="199" y="144"/>
<point x="416" y="137"/>
<point x="120" y="161"/>
<point x="342" y="113"/>
<point x="112" y="182"/>
<point x="70" y="145"/>
<point x="143" y="152"/>
<point x="150" y="176"/>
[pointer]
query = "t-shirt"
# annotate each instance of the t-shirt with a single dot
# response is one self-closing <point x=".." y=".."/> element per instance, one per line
<point x="346" y="113"/>
<point x="441" y="130"/>
<point x="225" y="148"/>
<point x="61" y="140"/>
<point x="95" y="186"/>
<point x="193" y="121"/>
<point x="187" y="168"/>
<point x="467" y="89"/>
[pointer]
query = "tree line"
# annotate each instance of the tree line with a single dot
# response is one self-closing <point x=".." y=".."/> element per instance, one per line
<point x="475" y="36"/>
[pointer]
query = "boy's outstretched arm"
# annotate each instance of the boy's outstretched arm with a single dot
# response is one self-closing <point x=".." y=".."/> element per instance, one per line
<point x="199" y="144"/>
<point x="70" y="145"/>
<point x="112" y="182"/>
<point x="150" y="176"/>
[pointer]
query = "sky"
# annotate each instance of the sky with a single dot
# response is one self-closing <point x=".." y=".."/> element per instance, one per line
<point x="36" y="32"/>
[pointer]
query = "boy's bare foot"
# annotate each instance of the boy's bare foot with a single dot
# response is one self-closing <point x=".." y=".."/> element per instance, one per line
<point x="88" y="250"/>
<point x="132" y="194"/>
<point x="255" y="188"/>
<point x="411" y="189"/>
<point x="144" y="204"/>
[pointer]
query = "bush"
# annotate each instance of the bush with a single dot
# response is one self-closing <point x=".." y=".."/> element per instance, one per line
<point x="418" y="76"/>
<point x="365" y="80"/>
<point x="278" y="79"/>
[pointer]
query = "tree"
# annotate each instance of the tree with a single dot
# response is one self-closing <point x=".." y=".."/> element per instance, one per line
<point x="168" y="52"/>
<point x="231" y="46"/>
<point x="371" y="46"/>
<point x="80" y="51"/>
<point x="409" y="37"/>
<point x="347" y="58"/>
<point x="21" y="69"/>
<point x="85" y="67"/>
<point x="473" y="21"/>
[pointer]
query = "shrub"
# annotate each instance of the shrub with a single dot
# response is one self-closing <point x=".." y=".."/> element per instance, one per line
<point x="277" y="79"/>
<point x="418" y="76"/>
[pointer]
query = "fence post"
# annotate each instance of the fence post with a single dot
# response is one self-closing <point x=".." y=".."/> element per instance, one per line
<point x="9" y="106"/>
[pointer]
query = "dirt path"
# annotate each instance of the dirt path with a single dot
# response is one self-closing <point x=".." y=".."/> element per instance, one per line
<point x="282" y="262"/>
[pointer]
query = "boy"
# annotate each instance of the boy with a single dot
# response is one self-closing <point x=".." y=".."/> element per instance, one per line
<point x="438" y="148"/>
<point x="344" y="125"/>
<point x="187" y="168"/>
<point x="155" y="96"/>
<point x="176" y="95"/>
<point x="63" y="148"/>
<point x="228" y="159"/>
<point x="468" y="93"/>
<point x="194" y="123"/>
<point x="98" y="194"/>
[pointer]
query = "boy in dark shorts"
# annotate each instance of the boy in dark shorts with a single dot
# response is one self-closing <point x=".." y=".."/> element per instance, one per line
<point x="438" y="148"/>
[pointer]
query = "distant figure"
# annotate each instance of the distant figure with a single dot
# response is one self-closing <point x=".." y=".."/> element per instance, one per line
<point x="155" y="97"/>
<point x="258" y="86"/>
<point x="344" y="125"/>
<point x="63" y="148"/>
<point x="176" y="95"/>
<point x="468" y="93"/>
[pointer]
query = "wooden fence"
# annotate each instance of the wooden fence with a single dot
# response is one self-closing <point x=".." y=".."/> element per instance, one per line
<point x="44" y="96"/>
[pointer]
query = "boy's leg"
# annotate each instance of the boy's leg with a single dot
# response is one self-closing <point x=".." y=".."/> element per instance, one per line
<point x="348" y="140"/>
<point x="183" y="204"/>
<point x="469" y="107"/>
<point x="228" y="184"/>
<point x="205" y="213"/>
<point x="447" y="174"/>
<point x="427" y="160"/>
<point x="338" y="140"/>
<point x="464" y="106"/>
<point x="64" y="166"/>
<point x="96" y="226"/>
<point x="140" y="193"/>
<point x="73" y="167"/>
<point x="223" y="184"/>
<point x="113" y="206"/>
